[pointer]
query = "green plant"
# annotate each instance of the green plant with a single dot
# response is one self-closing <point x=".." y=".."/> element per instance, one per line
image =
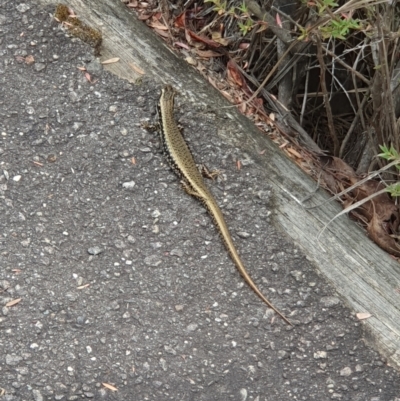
<point x="219" y="6"/>
<point x="333" y="25"/>
<point x="243" y="9"/>
<point x="391" y="154"/>
<point x="246" y="27"/>
<point x="241" y="13"/>
<point x="324" y="4"/>
<point x="339" y="28"/>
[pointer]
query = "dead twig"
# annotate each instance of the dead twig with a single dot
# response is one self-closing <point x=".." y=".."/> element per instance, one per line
<point x="335" y="140"/>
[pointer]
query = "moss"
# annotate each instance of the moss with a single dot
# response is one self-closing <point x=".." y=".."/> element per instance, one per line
<point x="62" y="13"/>
<point x="77" y="28"/>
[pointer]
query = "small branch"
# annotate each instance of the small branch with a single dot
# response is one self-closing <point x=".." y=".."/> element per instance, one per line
<point x="335" y="140"/>
<point x="283" y="34"/>
<point x="341" y="62"/>
<point x="354" y="123"/>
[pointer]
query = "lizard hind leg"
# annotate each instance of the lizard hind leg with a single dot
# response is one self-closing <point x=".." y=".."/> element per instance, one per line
<point x="189" y="190"/>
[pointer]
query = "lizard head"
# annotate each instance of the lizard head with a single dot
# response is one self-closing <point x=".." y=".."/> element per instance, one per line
<point x="168" y="93"/>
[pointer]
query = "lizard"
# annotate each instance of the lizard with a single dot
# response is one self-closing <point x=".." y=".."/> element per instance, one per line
<point x="180" y="159"/>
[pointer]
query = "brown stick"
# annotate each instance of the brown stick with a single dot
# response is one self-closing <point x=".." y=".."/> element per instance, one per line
<point x="336" y="144"/>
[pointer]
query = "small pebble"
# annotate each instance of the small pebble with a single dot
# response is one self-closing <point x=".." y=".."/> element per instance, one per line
<point x="320" y="355"/>
<point x="177" y="252"/>
<point x="13" y="360"/>
<point x="297" y="275"/>
<point x="128" y="184"/>
<point x="37" y="395"/>
<point x="94" y="250"/>
<point x="329" y="302"/>
<point x="192" y="327"/>
<point x="243" y="394"/>
<point x="243" y="234"/>
<point x="155" y="214"/>
<point x="152" y="260"/>
<point x="282" y="355"/>
<point x="23" y="7"/>
<point x="39" y="67"/>
<point x="119" y="244"/>
<point x="346" y="371"/>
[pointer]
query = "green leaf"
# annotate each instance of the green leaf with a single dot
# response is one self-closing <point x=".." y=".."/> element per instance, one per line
<point x="243" y="8"/>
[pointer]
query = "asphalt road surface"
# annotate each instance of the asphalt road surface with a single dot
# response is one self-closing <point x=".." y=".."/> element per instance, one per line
<point x="117" y="284"/>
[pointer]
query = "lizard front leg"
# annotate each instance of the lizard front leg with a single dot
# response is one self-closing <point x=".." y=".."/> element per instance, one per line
<point x="210" y="174"/>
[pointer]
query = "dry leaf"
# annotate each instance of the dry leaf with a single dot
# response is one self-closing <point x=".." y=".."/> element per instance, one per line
<point x="278" y="20"/>
<point x="89" y="78"/>
<point x="136" y="68"/>
<point x="81" y="68"/>
<point x="263" y="27"/>
<point x="109" y="386"/>
<point x="235" y="74"/>
<point x="207" y="53"/>
<point x="183" y="45"/>
<point x="144" y="17"/>
<point x="226" y="95"/>
<point x="83" y="286"/>
<point x="191" y="60"/>
<point x="294" y="152"/>
<point x="180" y="21"/>
<point x="110" y="60"/>
<point x="257" y="103"/>
<point x="14" y="302"/>
<point x="29" y="59"/>
<point x="187" y="37"/>
<point x="157" y="25"/>
<point x="162" y="33"/>
<point x="362" y="316"/>
<point x="216" y="36"/>
<point x="202" y="39"/>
